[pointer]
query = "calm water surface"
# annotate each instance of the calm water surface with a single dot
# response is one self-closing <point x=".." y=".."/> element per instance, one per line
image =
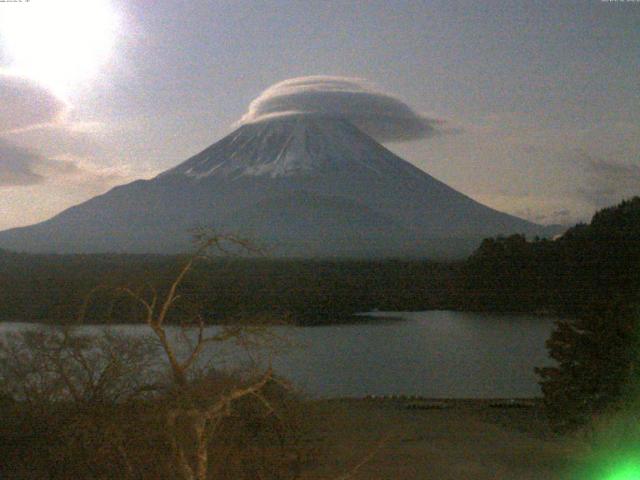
<point x="438" y="354"/>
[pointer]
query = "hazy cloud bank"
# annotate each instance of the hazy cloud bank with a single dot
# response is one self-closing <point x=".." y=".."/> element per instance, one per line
<point x="381" y="115"/>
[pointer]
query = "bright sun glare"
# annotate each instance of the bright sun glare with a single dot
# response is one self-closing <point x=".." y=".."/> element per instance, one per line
<point x="58" y="43"/>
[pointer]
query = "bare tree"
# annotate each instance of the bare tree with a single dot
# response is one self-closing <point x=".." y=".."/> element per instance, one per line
<point x="189" y="410"/>
<point x="69" y="392"/>
<point x="48" y="364"/>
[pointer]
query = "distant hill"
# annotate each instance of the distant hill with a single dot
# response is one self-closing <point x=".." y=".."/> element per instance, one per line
<point x="303" y="186"/>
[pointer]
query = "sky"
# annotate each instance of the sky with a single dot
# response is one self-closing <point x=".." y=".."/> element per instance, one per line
<point x="530" y="107"/>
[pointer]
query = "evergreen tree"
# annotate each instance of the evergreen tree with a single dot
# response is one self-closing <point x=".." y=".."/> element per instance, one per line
<point x="598" y="350"/>
<point x="598" y="362"/>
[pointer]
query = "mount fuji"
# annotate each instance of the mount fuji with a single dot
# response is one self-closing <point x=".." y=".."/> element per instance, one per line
<point x="299" y="185"/>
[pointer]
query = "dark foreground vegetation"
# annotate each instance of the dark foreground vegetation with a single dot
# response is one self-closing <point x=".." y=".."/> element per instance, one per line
<point x="116" y="406"/>
<point x="72" y="406"/>
<point x="92" y="415"/>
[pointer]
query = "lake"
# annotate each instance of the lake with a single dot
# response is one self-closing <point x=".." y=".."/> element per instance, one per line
<point x="436" y="354"/>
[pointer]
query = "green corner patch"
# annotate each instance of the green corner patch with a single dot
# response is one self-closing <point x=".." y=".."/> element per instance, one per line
<point x="627" y="470"/>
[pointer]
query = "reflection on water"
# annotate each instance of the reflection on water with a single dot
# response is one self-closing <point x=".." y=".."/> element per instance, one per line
<point x="438" y="354"/>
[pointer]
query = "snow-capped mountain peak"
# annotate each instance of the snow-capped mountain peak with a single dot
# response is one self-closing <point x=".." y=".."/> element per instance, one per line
<point x="287" y="146"/>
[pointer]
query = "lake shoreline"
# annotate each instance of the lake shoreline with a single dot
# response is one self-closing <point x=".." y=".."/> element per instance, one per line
<point x="359" y="318"/>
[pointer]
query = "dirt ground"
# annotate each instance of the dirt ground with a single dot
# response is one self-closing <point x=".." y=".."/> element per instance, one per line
<point x="441" y="440"/>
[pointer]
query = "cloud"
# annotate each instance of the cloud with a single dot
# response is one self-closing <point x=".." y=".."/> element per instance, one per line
<point x="17" y="166"/>
<point x="23" y="167"/>
<point x="608" y="182"/>
<point x="84" y="173"/>
<point x="55" y="140"/>
<point x="26" y="104"/>
<point x="562" y="216"/>
<point x="383" y="116"/>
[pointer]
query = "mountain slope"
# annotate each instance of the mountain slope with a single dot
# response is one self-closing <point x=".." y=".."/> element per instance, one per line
<point x="302" y="185"/>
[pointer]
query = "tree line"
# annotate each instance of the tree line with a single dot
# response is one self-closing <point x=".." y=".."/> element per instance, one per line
<point x="586" y="270"/>
<point x="54" y="288"/>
